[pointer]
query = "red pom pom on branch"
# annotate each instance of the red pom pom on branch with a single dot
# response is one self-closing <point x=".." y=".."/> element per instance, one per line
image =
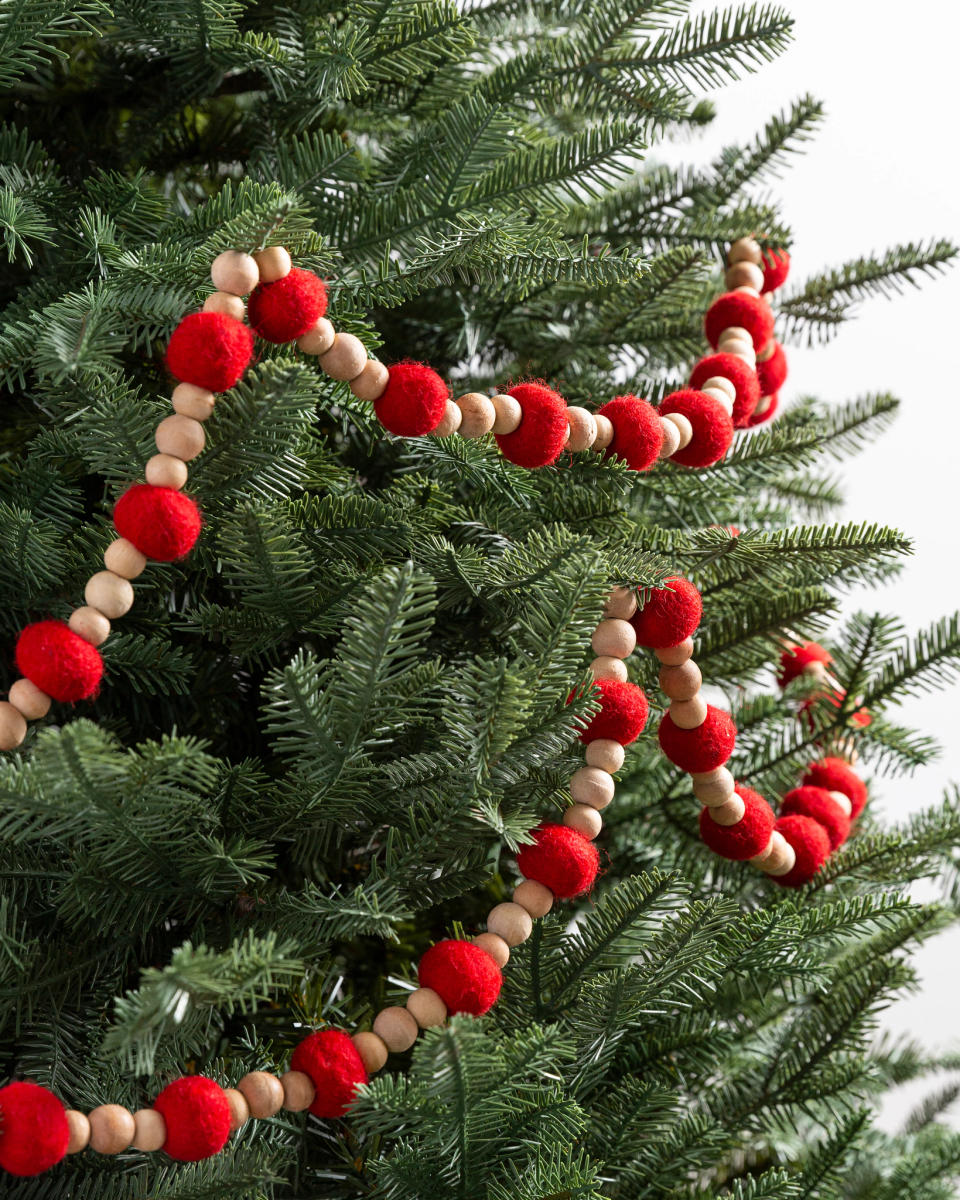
<point x="751" y="834"/>
<point x="837" y="776"/>
<point x="670" y="615"/>
<point x="542" y="432"/>
<point x="623" y="712"/>
<point x="772" y="373"/>
<point x="335" y="1068"/>
<point x="810" y="844"/>
<point x="743" y="377"/>
<point x="795" y="661"/>
<point x="58" y="661"/>
<point x="712" y="427"/>
<point x="465" y="977"/>
<point x="283" y="310"/>
<point x="776" y="268"/>
<point x="742" y="310"/>
<point x="197" y="1116"/>
<point x="702" y="749"/>
<point x="637" y="435"/>
<point x="413" y="401"/>
<point x="820" y="806"/>
<point x="161" y="522"/>
<point x="561" y="859"/>
<point x="33" y="1129"/>
<point x="210" y="350"/>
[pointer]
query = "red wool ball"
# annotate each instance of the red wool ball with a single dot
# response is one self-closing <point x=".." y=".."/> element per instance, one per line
<point x="413" y="401"/>
<point x="820" y="806"/>
<point x="766" y="410"/>
<point x="33" y="1129"/>
<point x="702" y="749"/>
<point x="210" y="350"/>
<point x="749" y="836"/>
<point x="542" y="432"/>
<point x="772" y="374"/>
<point x="712" y="427"/>
<point x="670" y="615"/>
<point x="776" y="268"/>
<point x="742" y="310"/>
<point x="161" y="522"/>
<point x="465" y="977"/>
<point x="283" y="310"/>
<point x="335" y="1068"/>
<point x="741" y="375"/>
<point x="837" y="776"/>
<point x="58" y="661"/>
<point x="794" y="662"/>
<point x="561" y="859"/>
<point x="197" y="1116"/>
<point x="622" y="715"/>
<point x="637" y="435"/>
<point x="810" y="844"/>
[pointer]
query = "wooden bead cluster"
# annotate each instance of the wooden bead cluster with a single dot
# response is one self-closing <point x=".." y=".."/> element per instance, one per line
<point x="745" y="272"/>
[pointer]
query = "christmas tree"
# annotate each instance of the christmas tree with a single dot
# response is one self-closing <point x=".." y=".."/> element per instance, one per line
<point x="323" y="737"/>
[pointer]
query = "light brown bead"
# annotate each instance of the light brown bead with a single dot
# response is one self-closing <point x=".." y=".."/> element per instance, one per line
<point x="371" y="383"/>
<point x="767" y="352"/>
<point x="449" y="422"/>
<point x="181" y="437"/>
<point x="235" y="272"/>
<point x="111" y="1129"/>
<point x="733" y="333"/>
<point x="843" y="801"/>
<point x="163" y="470"/>
<point x="108" y="593"/>
<point x="511" y="922"/>
<point x="372" y="1050"/>
<point x="150" y="1130"/>
<point x="318" y="339"/>
<point x="78" y="1131"/>
<point x="426" y="1008"/>
<point x="713" y="788"/>
<point x="759" y="860"/>
<point x="583" y="428"/>
<point x="345" y="359"/>
<point x="674" y="656"/>
<point x="681" y="683"/>
<point x="683" y="426"/>
<point x="621" y="604"/>
<point x="688" y="714"/>
<point x="298" y="1091"/>
<point x="478" y="412"/>
<point x="739" y="349"/>
<point x="90" y="624"/>
<point x="721" y="398"/>
<point x="29" y="699"/>
<point x="606" y="754"/>
<point x="495" y="946"/>
<point x="396" y="1028"/>
<point x="239" y="1109"/>
<point x="815" y="670"/>
<point x="535" y="897"/>
<point x="604" y="432"/>
<point x="765" y="402"/>
<point x="195" y="402"/>
<point x="741" y="273"/>
<point x="273" y="263"/>
<point x="749" y="291"/>
<point x="729" y="813"/>
<point x="13" y="726"/>
<point x="124" y="559"/>
<point x="671" y="438"/>
<point x="584" y="819"/>
<point x="780" y="858"/>
<point x="745" y="249"/>
<point x="263" y="1093"/>
<point x="592" y="786"/>
<point x="509" y="414"/>
<point x="608" y="667"/>
<point x="721" y="383"/>
<point x="614" y="638"/>
<point x="223" y="302"/>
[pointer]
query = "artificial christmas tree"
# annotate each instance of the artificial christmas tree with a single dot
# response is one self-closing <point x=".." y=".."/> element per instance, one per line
<point x="321" y="738"/>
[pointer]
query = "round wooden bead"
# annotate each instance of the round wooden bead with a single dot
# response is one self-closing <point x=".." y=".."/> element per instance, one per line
<point x="163" y="470"/>
<point x="621" y="604"/>
<point x="739" y="348"/>
<point x="688" y="714"/>
<point x="318" y="339"/>
<point x="684" y="428"/>
<point x="815" y="670"/>
<point x="371" y="383"/>
<point x="721" y="398"/>
<point x="239" y="1109"/>
<point x="235" y="272"/>
<point x="780" y="857"/>
<point x="298" y="1091"/>
<point x="28" y="698"/>
<point x="604" y="432"/>
<point x="674" y="656"/>
<point x="614" y="638"/>
<point x="396" y="1028"/>
<point x="745" y="249"/>
<point x="263" y="1093"/>
<point x="79" y="1131"/>
<point x="606" y="754"/>
<point x="535" y="897"/>
<point x="223" y="302"/>
<point x="478" y="413"/>
<point x="124" y="559"/>
<point x="108" y="593"/>
<point x="714" y="788"/>
<point x="608" y="667"/>
<point x="722" y="384"/>
<point x="671" y="437"/>
<point x="111" y="1129"/>
<point x="449" y="422"/>
<point x="768" y="351"/>
<point x="13" y="726"/>
<point x="743" y="273"/>
<point x="749" y="291"/>
<point x="592" y="786"/>
<point x="734" y="333"/>
<point x="839" y="797"/>
<point x="273" y="263"/>
<point x="426" y="1008"/>
<point x="90" y="624"/>
<point x="495" y="946"/>
<point x="195" y="402"/>
<point x="583" y="429"/>
<point x="681" y="683"/>
<point x="584" y="819"/>
<point x="729" y="813"/>
<point x="509" y="414"/>
<point x="181" y="437"/>
<point x="345" y="359"/>
<point x="511" y="922"/>
<point x="150" y="1130"/>
<point x="372" y="1050"/>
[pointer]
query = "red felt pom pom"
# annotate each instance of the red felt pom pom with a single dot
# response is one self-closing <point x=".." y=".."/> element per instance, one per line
<point x="637" y="435"/>
<point x="335" y="1068"/>
<point x="33" y="1129"/>
<point x="288" y="307"/>
<point x="702" y="749"/>
<point x="820" y="806"/>
<point x="742" y="310"/>
<point x="794" y="662"/>
<point x="542" y="432"/>
<point x="750" y="835"/>
<point x="197" y="1116"/>
<point x="741" y="375"/>
<point x="465" y="977"/>
<point x="834" y="697"/>
<point x="413" y="401"/>
<point x="712" y="427"/>
<point x="765" y="410"/>
<point x="561" y="859"/>
<point x="210" y="350"/>
<point x="161" y="522"/>
<point x="622" y="715"/>
<point x="58" y="661"/>
<point x="837" y="776"/>
<point x="811" y="845"/>
<point x="772" y="374"/>
<point x="669" y="616"/>
<point x="776" y="268"/>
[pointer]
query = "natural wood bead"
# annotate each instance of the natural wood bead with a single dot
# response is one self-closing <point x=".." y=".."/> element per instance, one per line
<point x="780" y="857"/>
<point x="604" y="432"/>
<point x="621" y="604"/>
<point x="78" y="1129"/>
<point x="713" y="788"/>
<point x="13" y="726"/>
<point x="426" y="1008"/>
<point x="511" y="922"/>
<point x="163" y="470"/>
<point x="671" y="438"/>
<point x="729" y="813"/>
<point x="345" y="359"/>
<point x="372" y="1050"/>
<point x="842" y="800"/>
<point x="318" y="339"/>
<point x="739" y="349"/>
<point x="614" y="638"/>
<point x="768" y="351"/>
<point x="273" y="263"/>
<point x="583" y="428"/>
<point x="688" y="714"/>
<point x="681" y="683"/>
<point x="478" y="412"/>
<point x="371" y="383"/>
<point x="223" y="302"/>
<point x="108" y="593"/>
<point x="608" y="667"/>
<point x="90" y="624"/>
<point x="765" y="402"/>
<point x="191" y="401"/>
<point x="150" y="1130"/>
<point x="721" y="398"/>
<point x="449" y="422"/>
<point x="684" y="428"/>
<point x="733" y="333"/>
<point x="535" y="897"/>
<point x="495" y="946"/>
<point x="745" y="249"/>
<point x="743" y="273"/>
<point x="815" y="670"/>
<point x="235" y="272"/>
<point x="722" y="384"/>
<point x="28" y="698"/>
<point x="748" y="291"/>
<point x="124" y="559"/>
<point x="182" y="437"/>
<point x="606" y="754"/>
<point x="592" y="786"/>
<point x="111" y="1129"/>
<point x="396" y="1028"/>
<point x="509" y="414"/>
<point x="239" y="1109"/>
<point x="263" y="1093"/>
<point x="674" y="656"/>
<point x="584" y="819"/>
<point x="298" y="1091"/>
